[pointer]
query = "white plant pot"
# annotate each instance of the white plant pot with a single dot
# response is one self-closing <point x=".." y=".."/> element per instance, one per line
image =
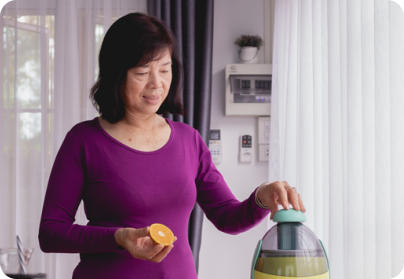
<point x="248" y="54"/>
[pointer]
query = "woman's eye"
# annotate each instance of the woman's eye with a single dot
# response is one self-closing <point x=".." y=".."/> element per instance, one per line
<point x="166" y="71"/>
<point x="141" y="74"/>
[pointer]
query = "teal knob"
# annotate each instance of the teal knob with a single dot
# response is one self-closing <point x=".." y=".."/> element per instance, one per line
<point x="289" y="216"/>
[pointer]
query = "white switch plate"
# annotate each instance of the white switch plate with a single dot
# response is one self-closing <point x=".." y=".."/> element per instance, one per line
<point x="263" y="138"/>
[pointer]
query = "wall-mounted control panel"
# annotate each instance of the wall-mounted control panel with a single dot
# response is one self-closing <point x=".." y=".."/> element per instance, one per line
<point x="215" y="146"/>
<point x="248" y="89"/>
<point x="263" y="138"/>
<point x="245" y="152"/>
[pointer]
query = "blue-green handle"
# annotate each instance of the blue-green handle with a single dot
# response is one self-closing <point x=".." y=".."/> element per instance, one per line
<point x="328" y="263"/>
<point x="255" y="257"/>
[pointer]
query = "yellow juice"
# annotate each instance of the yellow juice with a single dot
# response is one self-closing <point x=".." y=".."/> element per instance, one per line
<point x="291" y="267"/>
<point x="260" y="275"/>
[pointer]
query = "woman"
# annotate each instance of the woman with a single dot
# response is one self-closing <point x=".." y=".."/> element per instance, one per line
<point x="132" y="168"/>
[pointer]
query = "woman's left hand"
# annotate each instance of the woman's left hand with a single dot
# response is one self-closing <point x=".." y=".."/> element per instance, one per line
<point x="279" y="193"/>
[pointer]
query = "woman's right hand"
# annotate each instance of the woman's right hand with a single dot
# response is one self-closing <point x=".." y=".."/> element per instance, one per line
<point x="139" y="244"/>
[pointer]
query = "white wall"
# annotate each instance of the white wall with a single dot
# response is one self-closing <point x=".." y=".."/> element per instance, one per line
<point x="223" y="255"/>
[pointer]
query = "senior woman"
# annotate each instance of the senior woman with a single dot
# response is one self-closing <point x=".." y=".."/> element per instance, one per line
<point x="132" y="167"/>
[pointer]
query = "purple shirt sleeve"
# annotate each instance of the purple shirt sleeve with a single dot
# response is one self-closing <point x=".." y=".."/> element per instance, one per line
<point x="217" y="201"/>
<point x="57" y="232"/>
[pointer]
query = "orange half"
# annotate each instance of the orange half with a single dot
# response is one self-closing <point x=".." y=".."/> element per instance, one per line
<point x="161" y="234"/>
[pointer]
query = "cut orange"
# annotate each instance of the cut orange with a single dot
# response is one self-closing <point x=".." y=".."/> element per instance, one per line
<point x="161" y="234"/>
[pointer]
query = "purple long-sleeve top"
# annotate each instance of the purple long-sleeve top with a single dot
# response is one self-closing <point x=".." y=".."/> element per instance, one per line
<point x="124" y="187"/>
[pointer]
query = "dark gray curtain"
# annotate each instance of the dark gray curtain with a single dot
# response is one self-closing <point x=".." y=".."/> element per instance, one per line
<point x="192" y="24"/>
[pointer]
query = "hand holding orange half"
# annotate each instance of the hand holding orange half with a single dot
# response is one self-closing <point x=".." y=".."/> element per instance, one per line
<point x="151" y="243"/>
<point x="161" y="234"/>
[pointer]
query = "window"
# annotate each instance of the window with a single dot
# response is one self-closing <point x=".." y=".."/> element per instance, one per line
<point x="28" y="51"/>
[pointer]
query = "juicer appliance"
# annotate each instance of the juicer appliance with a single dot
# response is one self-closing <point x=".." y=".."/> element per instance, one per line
<point x="290" y="250"/>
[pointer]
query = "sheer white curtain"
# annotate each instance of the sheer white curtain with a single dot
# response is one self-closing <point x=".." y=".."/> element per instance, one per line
<point x="337" y="127"/>
<point x="48" y="58"/>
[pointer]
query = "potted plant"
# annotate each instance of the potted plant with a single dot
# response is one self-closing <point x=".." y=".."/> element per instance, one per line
<point x="249" y="46"/>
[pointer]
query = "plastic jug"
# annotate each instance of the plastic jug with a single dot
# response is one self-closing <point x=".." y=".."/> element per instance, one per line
<point x="290" y="250"/>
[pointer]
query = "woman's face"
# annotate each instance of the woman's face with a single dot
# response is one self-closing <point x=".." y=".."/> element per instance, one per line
<point x="147" y="86"/>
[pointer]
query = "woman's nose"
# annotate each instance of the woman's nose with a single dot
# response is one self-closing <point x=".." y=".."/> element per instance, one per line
<point x="154" y="79"/>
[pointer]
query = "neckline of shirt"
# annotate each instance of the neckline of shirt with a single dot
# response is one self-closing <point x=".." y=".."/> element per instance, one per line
<point x="165" y="146"/>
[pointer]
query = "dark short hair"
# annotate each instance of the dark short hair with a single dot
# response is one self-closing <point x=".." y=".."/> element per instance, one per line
<point x="133" y="40"/>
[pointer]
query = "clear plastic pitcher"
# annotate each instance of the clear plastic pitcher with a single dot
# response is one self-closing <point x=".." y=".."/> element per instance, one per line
<point x="290" y="250"/>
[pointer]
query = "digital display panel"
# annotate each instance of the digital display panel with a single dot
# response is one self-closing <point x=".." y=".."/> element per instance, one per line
<point x="214" y="135"/>
<point x="245" y="84"/>
<point x="262" y="84"/>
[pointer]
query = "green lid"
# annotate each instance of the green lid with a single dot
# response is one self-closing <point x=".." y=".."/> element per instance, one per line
<point x="291" y="215"/>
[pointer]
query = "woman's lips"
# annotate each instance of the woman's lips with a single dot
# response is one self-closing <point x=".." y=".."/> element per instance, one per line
<point x="152" y="99"/>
